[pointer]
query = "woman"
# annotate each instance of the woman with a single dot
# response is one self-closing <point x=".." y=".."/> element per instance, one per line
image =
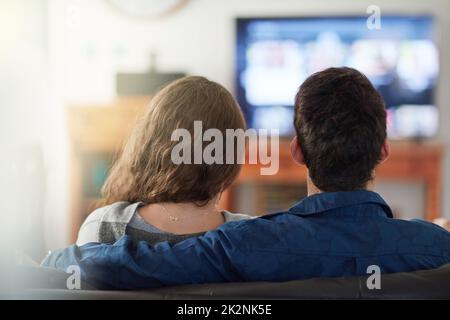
<point x="147" y="195"/>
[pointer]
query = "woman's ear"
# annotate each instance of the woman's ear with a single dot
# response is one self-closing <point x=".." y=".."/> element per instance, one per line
<point x="296" y="151"/>
<point x="385" y="151"/>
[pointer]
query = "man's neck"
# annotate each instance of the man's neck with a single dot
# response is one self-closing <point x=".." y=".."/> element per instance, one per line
<point x="312" y="188"/>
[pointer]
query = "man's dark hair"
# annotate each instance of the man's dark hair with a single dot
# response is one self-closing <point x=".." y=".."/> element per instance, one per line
<point x="340" y="120"/>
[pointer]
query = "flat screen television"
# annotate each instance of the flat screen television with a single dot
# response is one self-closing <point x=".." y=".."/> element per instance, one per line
<point x="275" y="55"/>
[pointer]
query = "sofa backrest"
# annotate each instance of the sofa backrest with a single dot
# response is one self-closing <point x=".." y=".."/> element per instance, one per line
<point x="425" y="284"/>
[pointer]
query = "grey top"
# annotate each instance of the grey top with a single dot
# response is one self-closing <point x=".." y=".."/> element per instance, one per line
<point x="108" y="224"/>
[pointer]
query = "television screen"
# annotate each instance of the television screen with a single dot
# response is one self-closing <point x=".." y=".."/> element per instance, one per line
<point x="275" y="55"/>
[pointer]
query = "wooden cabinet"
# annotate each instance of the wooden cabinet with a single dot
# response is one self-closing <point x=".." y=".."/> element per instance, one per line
<point x="97" y="133"/>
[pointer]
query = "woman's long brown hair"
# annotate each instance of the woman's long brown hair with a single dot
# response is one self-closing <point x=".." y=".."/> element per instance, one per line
<point x="145" y="172"/>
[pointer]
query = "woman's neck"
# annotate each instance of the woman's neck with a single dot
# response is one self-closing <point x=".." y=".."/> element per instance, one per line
<point x="183" y="218"/>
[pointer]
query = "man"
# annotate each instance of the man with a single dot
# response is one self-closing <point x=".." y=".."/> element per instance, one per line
<point x="340" y="229"/>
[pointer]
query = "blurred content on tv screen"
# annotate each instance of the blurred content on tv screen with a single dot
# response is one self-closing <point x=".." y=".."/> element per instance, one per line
<point x="275" y="55"/>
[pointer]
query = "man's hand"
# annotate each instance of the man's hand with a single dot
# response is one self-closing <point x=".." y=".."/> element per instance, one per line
<point x="442" y="222"/>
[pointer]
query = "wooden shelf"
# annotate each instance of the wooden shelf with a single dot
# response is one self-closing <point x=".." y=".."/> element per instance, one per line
<point x="104" y="128"/>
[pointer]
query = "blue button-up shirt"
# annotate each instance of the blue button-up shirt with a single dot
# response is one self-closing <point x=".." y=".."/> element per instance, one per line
<point x="325" y="235"/>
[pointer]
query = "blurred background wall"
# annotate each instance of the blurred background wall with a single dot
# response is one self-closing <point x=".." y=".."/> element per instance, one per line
<point x="59" y="52"/>
<point x="25" y="112"/>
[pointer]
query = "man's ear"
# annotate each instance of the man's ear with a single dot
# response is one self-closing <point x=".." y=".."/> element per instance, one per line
<point x="296" y="151"/>
<point x="385" y="151"/>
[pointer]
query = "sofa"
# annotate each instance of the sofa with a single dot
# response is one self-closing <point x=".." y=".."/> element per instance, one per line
<point x="44" y="283"/>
